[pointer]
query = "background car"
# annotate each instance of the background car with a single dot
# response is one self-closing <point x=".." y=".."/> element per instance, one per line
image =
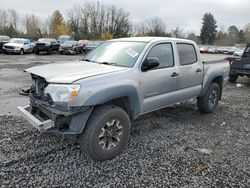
<point x="3" y="40"/>
<point x="63" y="38"/>
<point x="70" y="47"/>
<point x="223" y="50"/>
<point x="211" y="50"/>
<point x="238" y="53"/>
<point x="83" y="43"/>
<point x="46" y="44"/>
<point x="18" y="46"/>
<point x="232" y="50"/>
<point x="92" y="45"/>
<point x="203" y="50"/>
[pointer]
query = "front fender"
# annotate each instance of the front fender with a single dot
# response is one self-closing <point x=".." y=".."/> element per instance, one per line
<point x="109" y="94"/>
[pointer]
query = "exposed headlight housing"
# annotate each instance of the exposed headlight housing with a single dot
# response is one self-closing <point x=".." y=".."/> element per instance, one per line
<point x="62" y="92"/>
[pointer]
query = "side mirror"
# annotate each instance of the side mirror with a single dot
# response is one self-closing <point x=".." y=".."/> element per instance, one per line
<point x="150" y="63"/>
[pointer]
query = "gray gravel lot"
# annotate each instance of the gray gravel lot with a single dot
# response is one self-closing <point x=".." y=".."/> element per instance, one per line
<point x="172" y="147"/>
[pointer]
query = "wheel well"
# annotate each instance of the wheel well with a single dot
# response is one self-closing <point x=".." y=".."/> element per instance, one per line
<point x="218" y="80"/>
<point x="123" y="103"/>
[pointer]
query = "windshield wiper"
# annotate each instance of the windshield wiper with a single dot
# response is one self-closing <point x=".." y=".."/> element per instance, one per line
<point x="86" y="60"/>
<point x="107" y="63"/>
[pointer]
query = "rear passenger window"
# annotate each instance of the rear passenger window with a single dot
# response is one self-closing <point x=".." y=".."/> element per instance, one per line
<point x="187" y="54"/>
<point x="164" y="53"/>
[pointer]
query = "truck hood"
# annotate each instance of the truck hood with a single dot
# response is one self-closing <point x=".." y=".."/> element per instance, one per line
<point x="68" y="72"/>
<point x="13" y="44"/>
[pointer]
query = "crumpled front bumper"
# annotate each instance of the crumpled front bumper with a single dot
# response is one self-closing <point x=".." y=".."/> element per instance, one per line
<point x="54" y="120"/>
<point x="41" y="125"/>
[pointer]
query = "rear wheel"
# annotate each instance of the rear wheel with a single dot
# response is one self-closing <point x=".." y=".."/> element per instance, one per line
<point x="233" y="78"/>
<point x="209" y="102"/>
<point x="106" y="133"/>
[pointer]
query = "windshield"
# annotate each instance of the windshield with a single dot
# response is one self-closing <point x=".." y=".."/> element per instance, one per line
<point x="69" y="43"/>
<point x="117" y="53"/>
<point x="18" y="41"/>
<point x="93" y="43"/>
<point x="44" y="40"/>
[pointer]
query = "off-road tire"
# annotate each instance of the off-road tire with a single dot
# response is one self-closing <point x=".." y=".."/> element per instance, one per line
<point x="37" y="52"/>
<point x="89" y="139"/>
<point x="50" y="51"/>
<point x="233" y="78"/>
<point x="205" y="103"/>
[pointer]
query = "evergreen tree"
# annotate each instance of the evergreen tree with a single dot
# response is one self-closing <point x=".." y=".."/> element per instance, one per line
<point x="208" y="30"/>
<point x="241" y="36"/>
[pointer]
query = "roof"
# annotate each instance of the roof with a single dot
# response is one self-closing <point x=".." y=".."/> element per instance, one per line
<point x="149" y="39"/>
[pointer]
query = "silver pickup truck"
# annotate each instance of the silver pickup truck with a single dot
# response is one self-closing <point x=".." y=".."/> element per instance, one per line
<point x="97" y="98"/>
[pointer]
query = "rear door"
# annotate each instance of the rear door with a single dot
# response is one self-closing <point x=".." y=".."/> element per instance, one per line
<point x="158" y="85"/>
<point x="190" y="71"/>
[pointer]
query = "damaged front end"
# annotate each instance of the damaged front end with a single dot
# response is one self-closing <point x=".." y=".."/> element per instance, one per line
<point x="48" y="116"/>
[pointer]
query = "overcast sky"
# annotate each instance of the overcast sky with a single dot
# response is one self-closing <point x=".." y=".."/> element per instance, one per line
<point x="186" y="14"/>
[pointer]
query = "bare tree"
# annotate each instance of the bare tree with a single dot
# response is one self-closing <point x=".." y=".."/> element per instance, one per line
<point x="32" y="24"/>
<point x="178" y="32"/>
<point x="13" y="18"/>
<point x="152" y="27"/>
<point x="74" y="20"/>
<point x="92" y="20"/>
<point x="3" y="19"/>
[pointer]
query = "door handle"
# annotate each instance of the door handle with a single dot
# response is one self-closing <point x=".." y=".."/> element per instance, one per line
<point x="174" y="74"/>
<point x="198" y="70"/>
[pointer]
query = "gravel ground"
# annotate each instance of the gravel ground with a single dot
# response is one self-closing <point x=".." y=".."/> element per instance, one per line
<point x="172" y="147"/>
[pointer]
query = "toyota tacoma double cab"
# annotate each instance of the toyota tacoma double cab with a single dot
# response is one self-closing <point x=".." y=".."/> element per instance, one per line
<point x="98" y="97"/>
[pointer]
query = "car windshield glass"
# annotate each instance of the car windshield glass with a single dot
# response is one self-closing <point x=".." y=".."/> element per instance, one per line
<point x="44" y="40"/>
<point x="63" y="38"/>
<point x="117" y="53"/>
<point x="18" y="41"/>
<point x="93" y="43"/>
<point x="69" y="43"/>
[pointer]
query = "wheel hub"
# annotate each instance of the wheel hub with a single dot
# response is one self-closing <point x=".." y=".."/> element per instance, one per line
<point x="213" y="98"/>
<point x="110" y="134"/>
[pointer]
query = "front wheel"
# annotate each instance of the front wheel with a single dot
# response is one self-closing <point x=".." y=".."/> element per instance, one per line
<point x="106" y="133"/>
<point x="21" y="52"/>
<point x="209" y="102"/>
<point x="50" y="51"/>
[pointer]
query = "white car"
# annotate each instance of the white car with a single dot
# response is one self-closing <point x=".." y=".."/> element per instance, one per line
<point x="238" y="53"/>
<point x="18" y="46"/>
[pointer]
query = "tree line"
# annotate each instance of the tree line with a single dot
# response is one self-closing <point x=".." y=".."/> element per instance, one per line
<point x="103" y="21"/>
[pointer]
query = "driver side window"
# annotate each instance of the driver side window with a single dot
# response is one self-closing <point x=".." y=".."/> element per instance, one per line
<point x="164" y="53"/>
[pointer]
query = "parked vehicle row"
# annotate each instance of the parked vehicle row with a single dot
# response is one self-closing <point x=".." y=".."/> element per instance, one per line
<point x="222" y="50"/>
<point x="64" y="45"/>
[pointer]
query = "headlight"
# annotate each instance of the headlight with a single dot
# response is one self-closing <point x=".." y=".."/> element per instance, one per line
<point x="62" y="93"/>
<point x="17" y="47"/>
